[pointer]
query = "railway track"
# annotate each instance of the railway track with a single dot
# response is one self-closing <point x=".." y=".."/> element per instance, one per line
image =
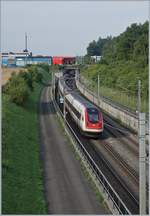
<point x="129" y="170"/>
<point x="126" y="195"/>
<point x="117" y="183"/>
<point x="124" y="135"/>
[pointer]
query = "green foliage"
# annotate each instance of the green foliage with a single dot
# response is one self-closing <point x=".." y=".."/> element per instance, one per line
<point x="17" y="89"/>
<point x="96" y="48"/>
<point x="132" y="44"/>
<point x="22" y="182"/>
<point x="121" y="77"/>
<point x="28" y="78"/>
<point x="124" y="61"/>
<point x="93" y="48"/>
<point x="21" y="172"/>
<point x="44" y="66"/>
<point x="35" y="74"/>
<point x="19" y="84"/>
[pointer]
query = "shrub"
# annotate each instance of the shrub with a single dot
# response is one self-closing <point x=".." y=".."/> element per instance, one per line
<point x="44" y="66"/>
<point x="28" y="78"/>
<point x="35" y="74"/>
<point x="17" y="89"/>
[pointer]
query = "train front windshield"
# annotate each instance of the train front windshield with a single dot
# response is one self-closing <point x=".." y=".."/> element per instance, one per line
<point x="93" y="115"/>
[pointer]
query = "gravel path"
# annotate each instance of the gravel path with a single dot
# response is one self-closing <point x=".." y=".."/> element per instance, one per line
<point x="66" y="189"/>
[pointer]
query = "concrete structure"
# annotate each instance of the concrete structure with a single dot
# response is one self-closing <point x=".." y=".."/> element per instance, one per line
<point x="96" y="58"/>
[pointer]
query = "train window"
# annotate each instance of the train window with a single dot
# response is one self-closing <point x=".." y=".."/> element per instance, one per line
<point x="82" y="118"/>
<point x="93" y="115"/>
<point x="73" y="109"/>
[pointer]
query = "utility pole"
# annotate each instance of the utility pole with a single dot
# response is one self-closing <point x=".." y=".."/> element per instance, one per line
<point x="54" y="85"/>
<point x="64" y="106"/>
<point x="26" y="50"/>
<point x="26" y="42"/>
<point x="98" y="88"/>
<point x="139" y="96"/>
<point x="142" y="154"/>
<point x="142" y="164"/>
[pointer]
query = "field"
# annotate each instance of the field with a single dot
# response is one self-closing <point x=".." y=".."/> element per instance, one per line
<point x="6" y="73"/>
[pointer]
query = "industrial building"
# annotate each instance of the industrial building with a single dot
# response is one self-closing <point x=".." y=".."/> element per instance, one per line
<point x="20" y="59"/>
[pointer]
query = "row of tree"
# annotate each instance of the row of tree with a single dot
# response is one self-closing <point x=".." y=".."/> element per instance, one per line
<point x="130" y="45"/>
<point x="124" y="60"/>
<point x="20" y="85"/>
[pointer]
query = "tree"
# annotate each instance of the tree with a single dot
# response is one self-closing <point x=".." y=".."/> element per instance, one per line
<point x="93" y="49"/>
<point x="17" y="89"/>
<point x="28" y="78"/>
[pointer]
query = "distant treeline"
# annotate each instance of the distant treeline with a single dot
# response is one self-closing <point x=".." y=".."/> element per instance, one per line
<point x="130" y="45"/>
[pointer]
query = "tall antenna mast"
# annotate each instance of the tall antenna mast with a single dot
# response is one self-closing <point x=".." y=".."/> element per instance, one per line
<point x="26" y="42"/>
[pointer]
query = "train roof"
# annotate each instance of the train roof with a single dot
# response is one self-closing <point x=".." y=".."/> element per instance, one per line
<point x="82" y="100"/>
<point x="77" y="95"/>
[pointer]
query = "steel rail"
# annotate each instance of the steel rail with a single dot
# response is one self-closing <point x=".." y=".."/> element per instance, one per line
<point x="115" y="133"/>
<point x="122" y="163"/>
<point x="112" y="194"/>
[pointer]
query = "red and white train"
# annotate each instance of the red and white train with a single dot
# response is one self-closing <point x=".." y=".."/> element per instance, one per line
<point x="87" y="116"/>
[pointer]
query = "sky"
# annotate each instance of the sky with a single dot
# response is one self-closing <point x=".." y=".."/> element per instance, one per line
<point x="65" y="28"/>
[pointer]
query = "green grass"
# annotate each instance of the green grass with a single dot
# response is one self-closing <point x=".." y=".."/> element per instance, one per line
<point x="124" y="98"/>
<point x="22" y="181"/>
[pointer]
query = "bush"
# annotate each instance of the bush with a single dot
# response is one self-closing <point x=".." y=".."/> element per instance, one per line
<point x="17" y="89"/>
<point x="44" y="66"/>
<point x="35" y="74"/>
<point x="28" y="78"/>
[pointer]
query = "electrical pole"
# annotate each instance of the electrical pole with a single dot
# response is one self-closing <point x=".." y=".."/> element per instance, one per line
<point x="26" y="48"/>
<point x="64" y="106"/>
<point x="26" y="42"/>
<point x="54" y="85"/>
<point x="139" y="96"/>
<point x="142" y="164"/>
<point x="142" y="154"/>
<point x="98" y="88"/>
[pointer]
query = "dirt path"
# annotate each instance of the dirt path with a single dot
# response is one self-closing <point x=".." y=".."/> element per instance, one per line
<point x="66" y="189"/>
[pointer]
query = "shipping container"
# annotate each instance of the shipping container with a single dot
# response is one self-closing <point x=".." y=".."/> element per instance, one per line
<point x="57" y="60"/>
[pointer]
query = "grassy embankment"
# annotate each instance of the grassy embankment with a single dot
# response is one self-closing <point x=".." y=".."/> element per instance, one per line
<point x="119" y="82"/>
<point x="22" y="182"/>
